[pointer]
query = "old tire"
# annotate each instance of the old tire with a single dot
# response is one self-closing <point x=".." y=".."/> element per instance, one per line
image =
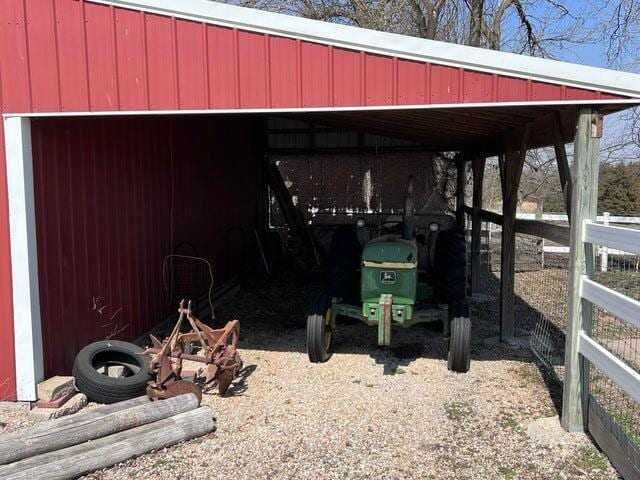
<point x="459" y="357"/>
<point x="450" y="264"/>
<point x="319" y="332"/>
<point x="102" y="388"/>
<point x="343" y="262"/>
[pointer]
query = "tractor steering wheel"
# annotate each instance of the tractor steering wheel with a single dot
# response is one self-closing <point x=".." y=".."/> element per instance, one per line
<point x="391" y="226"/>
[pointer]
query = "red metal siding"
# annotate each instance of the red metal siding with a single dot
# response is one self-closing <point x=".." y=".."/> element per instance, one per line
<point x="73" y="55"/>
<point x="53" y="51"/>
<point x="106" y="219"/>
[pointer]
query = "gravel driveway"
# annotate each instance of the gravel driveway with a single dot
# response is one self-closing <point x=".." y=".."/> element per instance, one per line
<point x="372" y="413"/>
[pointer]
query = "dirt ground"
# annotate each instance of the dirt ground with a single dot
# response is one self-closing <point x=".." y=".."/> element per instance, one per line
<point x="394" y="413"/>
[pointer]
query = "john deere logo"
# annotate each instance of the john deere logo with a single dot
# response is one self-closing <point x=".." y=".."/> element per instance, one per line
<point x="388" y="277"/>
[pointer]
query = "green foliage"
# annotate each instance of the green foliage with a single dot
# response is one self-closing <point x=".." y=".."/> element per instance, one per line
<point x="619" y="189"/>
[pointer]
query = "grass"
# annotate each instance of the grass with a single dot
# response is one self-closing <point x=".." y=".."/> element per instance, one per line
<point x="458" y="411"/>
<point x="592" y="459"/>
<point x="626" y="282"/>
<point x="507" y="473"/>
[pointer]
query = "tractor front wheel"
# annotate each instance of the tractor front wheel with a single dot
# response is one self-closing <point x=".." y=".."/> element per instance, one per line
<point x="459" y="358"/>
<point x="319" y="329"/>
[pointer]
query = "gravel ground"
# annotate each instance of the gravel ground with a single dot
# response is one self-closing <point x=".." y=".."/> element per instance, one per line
<point x="369" y="412"/>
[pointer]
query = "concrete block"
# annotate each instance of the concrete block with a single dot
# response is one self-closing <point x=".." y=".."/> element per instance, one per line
<point x="57" y="403"/>
<point x="55" y="388"/>
<point x="75" y="404"/>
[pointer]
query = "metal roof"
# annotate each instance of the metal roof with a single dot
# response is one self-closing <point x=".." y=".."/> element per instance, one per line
<point x="402" y="46"/>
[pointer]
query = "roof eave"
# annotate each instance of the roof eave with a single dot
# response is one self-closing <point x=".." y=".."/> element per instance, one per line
<point x="390" y="44"/>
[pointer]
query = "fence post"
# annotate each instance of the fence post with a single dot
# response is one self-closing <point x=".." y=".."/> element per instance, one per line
<point x="581" y="262"/>
<point x="604" y="251"/>
<point x="539" y="217"/>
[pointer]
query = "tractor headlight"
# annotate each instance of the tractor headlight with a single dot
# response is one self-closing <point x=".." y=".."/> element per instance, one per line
<point x="434" y="227"/>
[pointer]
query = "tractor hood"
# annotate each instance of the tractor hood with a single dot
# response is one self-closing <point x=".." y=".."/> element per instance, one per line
<point x="390" y="251"/>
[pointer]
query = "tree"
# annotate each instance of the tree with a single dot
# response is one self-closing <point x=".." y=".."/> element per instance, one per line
<point x="619" y="191"/>
<point x="525" y="26"/>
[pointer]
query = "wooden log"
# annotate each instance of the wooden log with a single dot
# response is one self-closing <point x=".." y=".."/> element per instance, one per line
<point x="95" y="414"/>
<point x="27" y="443"/>
<point x="107" y="451"/>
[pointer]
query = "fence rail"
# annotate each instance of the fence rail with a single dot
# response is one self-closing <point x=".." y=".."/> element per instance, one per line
<point x="621" y="320"/>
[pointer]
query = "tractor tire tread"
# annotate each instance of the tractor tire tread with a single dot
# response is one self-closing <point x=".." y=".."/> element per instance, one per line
<point x="315" y="329"/>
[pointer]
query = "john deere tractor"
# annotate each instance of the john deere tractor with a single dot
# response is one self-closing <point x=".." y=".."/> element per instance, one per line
<point x="410" y="273"/>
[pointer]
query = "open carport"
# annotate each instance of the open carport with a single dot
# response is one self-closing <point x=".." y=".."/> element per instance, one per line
<point x="131" y="127"/>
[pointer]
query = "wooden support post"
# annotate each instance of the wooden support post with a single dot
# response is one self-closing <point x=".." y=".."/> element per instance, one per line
<point x="564" y="171"/>
<point x="461" y="178"/>
<point x="513" y="164"/>
<point x="581" y="262"/>
<point x="478" y="165"/>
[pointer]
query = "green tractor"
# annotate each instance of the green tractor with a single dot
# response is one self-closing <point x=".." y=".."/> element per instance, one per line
<point x="408" y="274"/>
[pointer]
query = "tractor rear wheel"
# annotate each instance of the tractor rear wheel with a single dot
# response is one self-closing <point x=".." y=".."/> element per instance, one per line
<point x="459" y="357"/>
<point x="319" y="329"/>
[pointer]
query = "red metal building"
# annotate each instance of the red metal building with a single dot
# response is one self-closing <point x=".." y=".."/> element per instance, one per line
<point x="123" y="118"/>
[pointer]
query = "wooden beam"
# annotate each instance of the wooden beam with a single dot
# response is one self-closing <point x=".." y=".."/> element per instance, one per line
<point x="501" y="171"/>
<point x="461" y="178"/>
<point x="563" y="164"/>
<point x="292" y="215"/>
<point x="513" y="164"/>
<point x="581" y="262"/>
<point x="549" y="231"/>
<point x="477" y="165"/>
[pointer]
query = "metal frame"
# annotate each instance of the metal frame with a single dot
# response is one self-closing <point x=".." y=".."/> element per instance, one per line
<point x="390" y="44"/>
<point x="29" y="360"/>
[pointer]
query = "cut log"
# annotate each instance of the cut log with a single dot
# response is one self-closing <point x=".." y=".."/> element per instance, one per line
<point x="27" y="443"/>
<point x="105" y="452"/>
<point x="94" y="414"/>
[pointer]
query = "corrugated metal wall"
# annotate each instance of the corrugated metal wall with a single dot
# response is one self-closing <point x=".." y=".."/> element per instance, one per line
<point x="113" y="197"/>
<point x="77" y="56"/>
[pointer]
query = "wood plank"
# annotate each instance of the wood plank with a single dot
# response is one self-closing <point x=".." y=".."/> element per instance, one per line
<point x="549" y="231"/>
<point x="609" y="444"/>
<point x="581" y="262"/>
<point x="513" y="164"/>
<point x="292" y="215"/>
<point x="478" y="167"/>
<point x="563" y="164"/>
<point x="461" y="161"/>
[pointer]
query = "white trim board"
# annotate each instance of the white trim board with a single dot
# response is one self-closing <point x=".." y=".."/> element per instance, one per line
<point x="382" y="108"/>
<point x="613" y="367"/>
<point x="24" y="258"/>
<point x="390" y="44"/>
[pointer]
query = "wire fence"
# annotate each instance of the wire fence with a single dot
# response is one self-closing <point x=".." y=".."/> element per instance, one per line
<point x="541" y="288"/>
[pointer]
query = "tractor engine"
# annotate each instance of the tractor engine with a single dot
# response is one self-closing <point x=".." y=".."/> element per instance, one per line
<point x="389" y="266"/>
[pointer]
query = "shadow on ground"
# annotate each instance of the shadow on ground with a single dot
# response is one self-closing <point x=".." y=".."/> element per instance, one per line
<point x="272" y="312"/>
